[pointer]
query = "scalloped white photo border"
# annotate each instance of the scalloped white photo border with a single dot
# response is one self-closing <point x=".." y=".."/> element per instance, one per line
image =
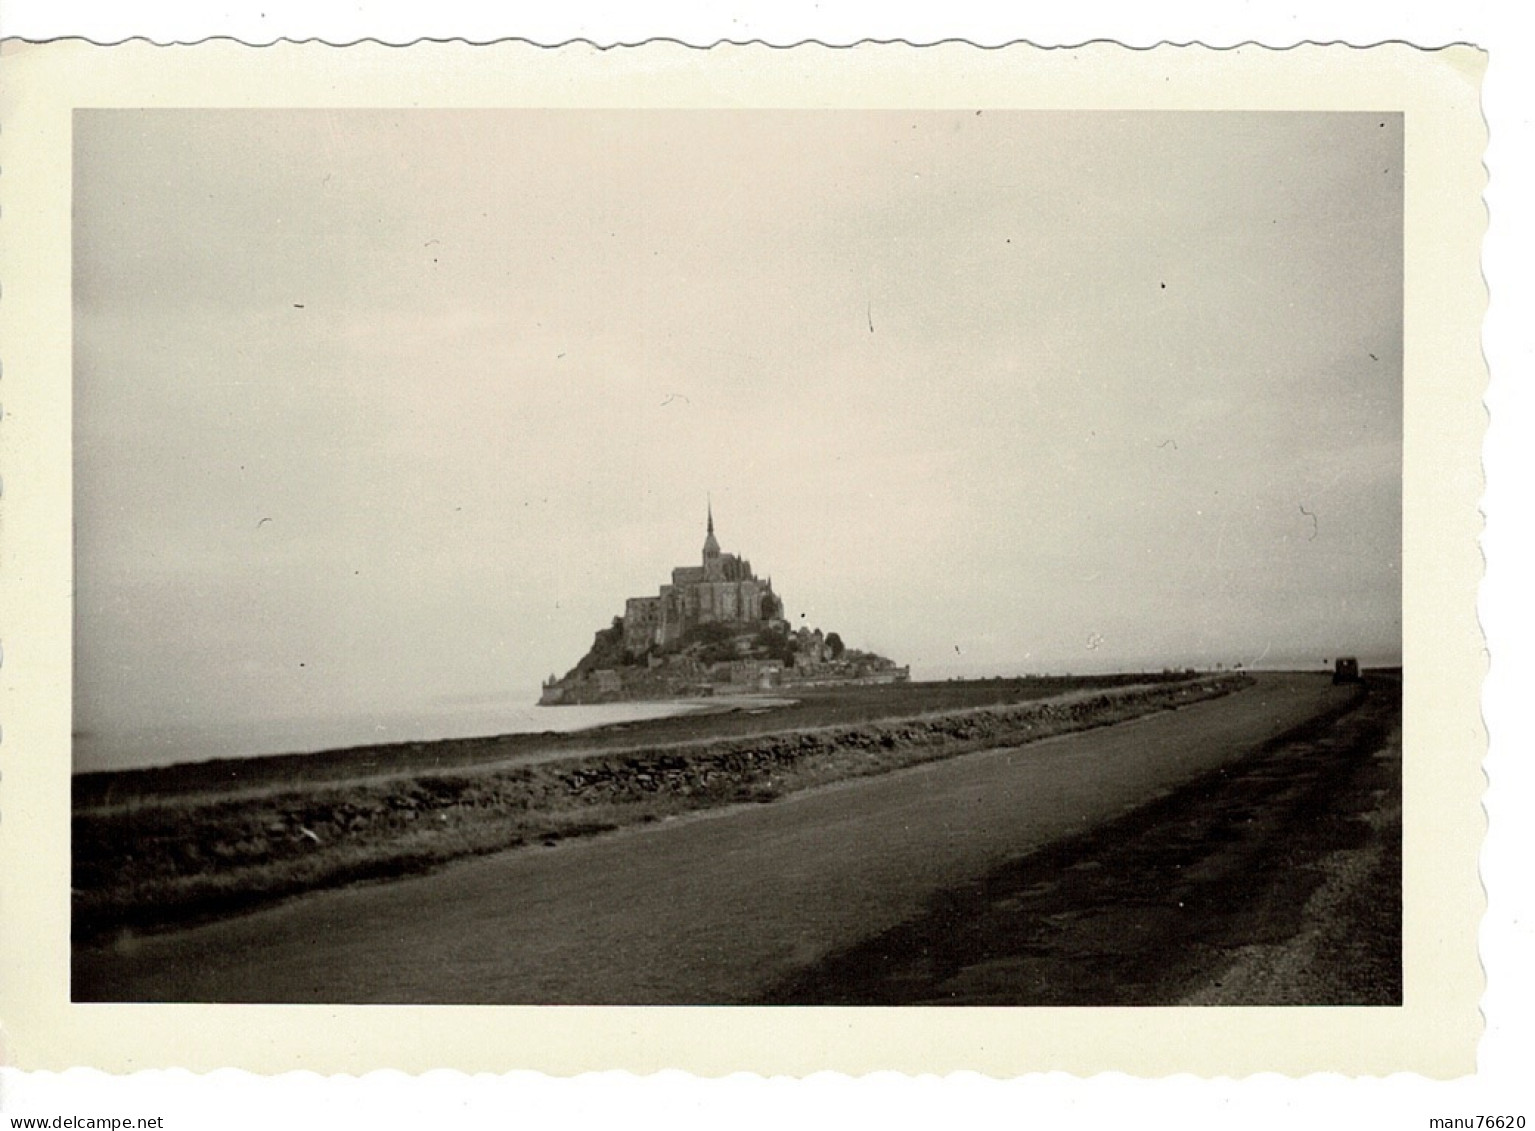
<point x="1433" y="1033"/>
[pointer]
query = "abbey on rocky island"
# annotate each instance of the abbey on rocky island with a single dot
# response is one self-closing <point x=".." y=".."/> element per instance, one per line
<point x="717" y="626"/>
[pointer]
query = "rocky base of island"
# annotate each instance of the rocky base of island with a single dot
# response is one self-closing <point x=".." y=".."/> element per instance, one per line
<point x="715" y="658"/>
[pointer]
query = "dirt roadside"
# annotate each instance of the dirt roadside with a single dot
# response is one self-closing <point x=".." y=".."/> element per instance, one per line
<point x="1273" y="880"/>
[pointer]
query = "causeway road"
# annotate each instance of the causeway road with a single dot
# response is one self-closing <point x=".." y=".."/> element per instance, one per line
<point x="712" y="908"/>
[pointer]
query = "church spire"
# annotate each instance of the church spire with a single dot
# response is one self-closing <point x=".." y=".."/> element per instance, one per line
<point x="711" y="547"/>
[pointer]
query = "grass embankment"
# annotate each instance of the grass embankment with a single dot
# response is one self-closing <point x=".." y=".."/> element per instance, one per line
<point x="154" y="863"/>
<point x="731" y="717"/>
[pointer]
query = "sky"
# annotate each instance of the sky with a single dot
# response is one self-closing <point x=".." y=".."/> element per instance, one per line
<point x="390" y="411"/>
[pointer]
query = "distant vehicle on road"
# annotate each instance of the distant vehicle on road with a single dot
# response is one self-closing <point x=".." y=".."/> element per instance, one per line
<point x="1346" y="670"/>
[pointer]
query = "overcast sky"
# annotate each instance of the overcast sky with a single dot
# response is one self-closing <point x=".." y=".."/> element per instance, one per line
<point x="376" y="410"/>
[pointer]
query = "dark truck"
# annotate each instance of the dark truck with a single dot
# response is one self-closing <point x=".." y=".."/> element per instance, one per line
<point x="1346" y="670"/>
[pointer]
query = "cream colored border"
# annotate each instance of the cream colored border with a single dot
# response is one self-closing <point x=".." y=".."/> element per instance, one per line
<point x="1435" y="1032"/>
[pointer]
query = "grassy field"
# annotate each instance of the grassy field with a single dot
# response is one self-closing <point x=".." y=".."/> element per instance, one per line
<point x="156" y="852"/>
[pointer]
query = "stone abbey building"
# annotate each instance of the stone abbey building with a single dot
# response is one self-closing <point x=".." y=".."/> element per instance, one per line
<point x="723" y="588"/>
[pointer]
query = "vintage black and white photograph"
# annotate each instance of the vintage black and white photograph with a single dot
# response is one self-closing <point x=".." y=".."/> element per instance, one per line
<point x="737" y="557"/>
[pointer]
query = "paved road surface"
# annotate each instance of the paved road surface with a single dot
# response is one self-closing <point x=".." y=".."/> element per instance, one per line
<point x="710" y="909"/>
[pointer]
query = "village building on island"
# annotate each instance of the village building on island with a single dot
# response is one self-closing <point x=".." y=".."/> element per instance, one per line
<point x="715" y="627"/>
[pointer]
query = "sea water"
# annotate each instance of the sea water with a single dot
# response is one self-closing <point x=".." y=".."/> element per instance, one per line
<point x="196" y="741"/>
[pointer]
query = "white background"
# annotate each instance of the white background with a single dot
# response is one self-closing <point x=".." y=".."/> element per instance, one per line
<point x="1502" y="1084"/>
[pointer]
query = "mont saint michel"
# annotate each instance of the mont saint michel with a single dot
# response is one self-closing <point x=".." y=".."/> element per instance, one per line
<point x="1060" y="463"/>
<point x="715" y="627"/>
